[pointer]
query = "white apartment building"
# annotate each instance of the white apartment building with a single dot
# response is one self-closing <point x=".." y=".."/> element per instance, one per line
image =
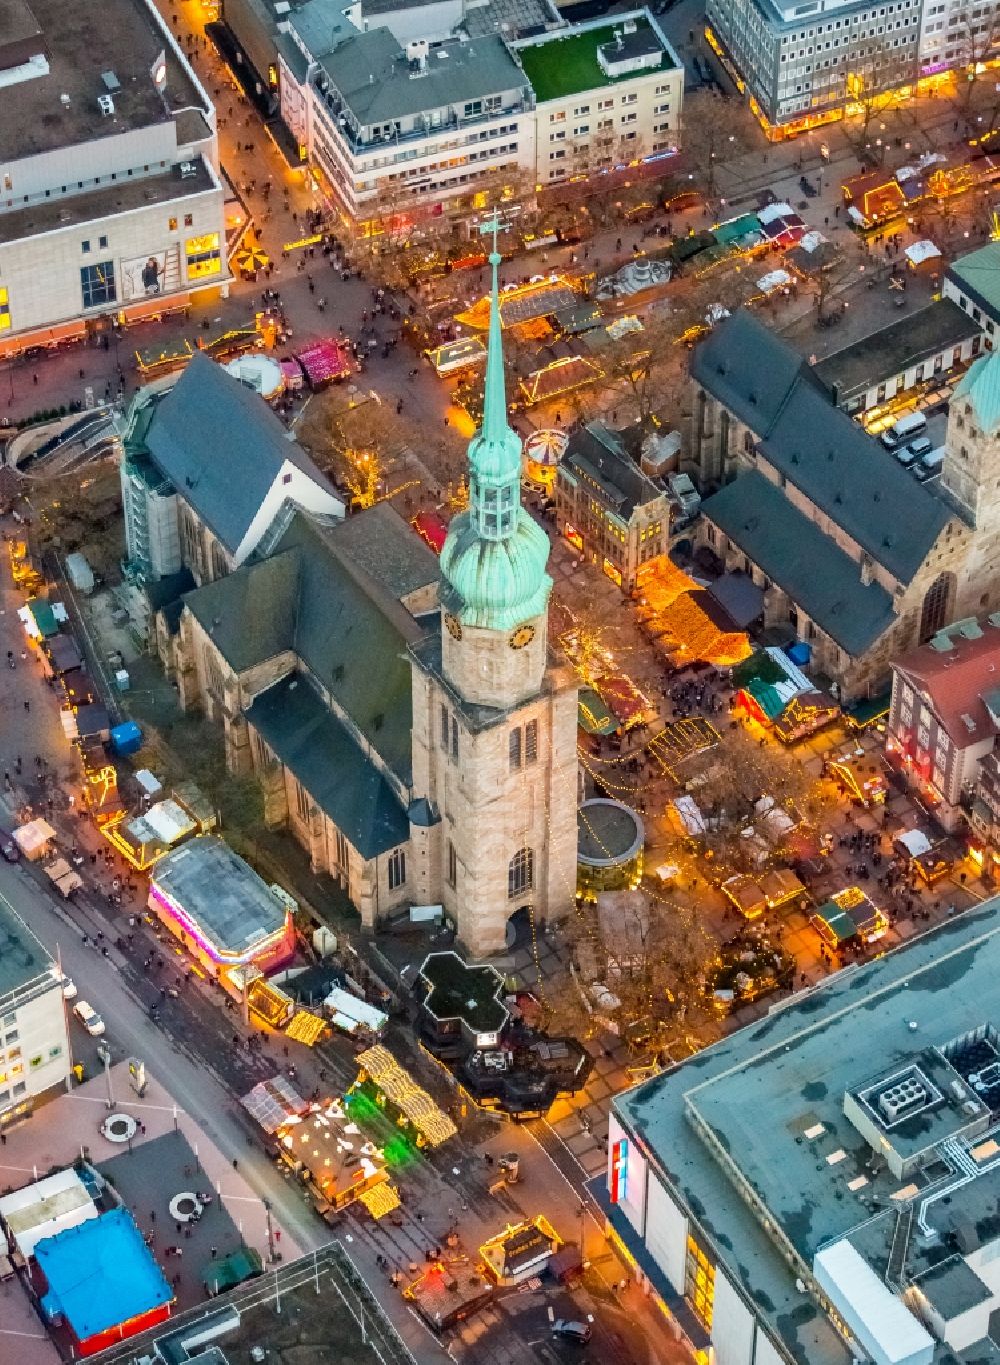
<point x="420" y="127"/>
<point x="34" y="1037"/>
<point x="608" y="93"/>
<point x="800" y="63"/>
<point x="111" y="203"/>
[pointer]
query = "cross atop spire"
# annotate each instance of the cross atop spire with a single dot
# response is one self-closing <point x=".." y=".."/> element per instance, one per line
<point x="495" y="428"/>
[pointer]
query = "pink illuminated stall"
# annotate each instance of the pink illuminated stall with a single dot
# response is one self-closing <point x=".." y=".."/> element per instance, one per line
<point x="221" y="910"/>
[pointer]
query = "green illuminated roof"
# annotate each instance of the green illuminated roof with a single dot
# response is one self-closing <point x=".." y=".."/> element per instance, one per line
<point x="568" y="65"/>
<point x="981" y="386"/>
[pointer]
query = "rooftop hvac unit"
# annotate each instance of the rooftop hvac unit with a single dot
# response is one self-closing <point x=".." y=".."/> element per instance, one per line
<point x="106" y="105"/>
<point x="906" y="1094"/>
<point x="189" y="169"/>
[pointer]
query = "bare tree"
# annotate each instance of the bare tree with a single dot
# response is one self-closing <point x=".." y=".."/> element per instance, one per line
<point x="644" y="970"/>
<point x="977" y="40"/>
<point x="709" y="141"/>
<point x="362" y="446"/>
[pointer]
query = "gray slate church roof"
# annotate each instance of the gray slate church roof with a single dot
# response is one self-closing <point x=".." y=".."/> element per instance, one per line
<point x="221" y="447"/>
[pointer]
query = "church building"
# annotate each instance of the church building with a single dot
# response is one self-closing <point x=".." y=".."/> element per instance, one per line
<point x="403" y="716"/>
<point x="857" y="558"/>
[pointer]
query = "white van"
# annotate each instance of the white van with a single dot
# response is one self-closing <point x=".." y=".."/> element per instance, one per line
<point x="907" y="427"/>
<point x="930" y="464"/>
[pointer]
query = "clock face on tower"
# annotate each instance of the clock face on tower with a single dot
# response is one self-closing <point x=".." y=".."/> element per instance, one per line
<point x="454" y="626"/>
<point x="522" y="636"/>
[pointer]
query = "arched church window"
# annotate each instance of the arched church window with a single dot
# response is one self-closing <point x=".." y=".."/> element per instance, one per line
<point x="521" y="872"/>
<point x="937" y="601"/>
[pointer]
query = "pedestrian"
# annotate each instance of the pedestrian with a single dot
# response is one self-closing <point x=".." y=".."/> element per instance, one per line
<point x="27" y="705"/>
<point x="214" y="1252"/>
<point x="236" y="1164"/>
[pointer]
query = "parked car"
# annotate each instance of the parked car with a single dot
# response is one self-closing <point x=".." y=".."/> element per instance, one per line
<point x="930" y="464"/>
<point x="89" y="1018"/>
<point x="572" y="1331"/>
<point x="67" y="983"/>
<point x="920" y="447"/>
<point x="9" y="849"/>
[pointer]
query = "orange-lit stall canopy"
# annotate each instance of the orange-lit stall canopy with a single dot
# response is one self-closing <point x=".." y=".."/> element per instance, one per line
<point x="686" y="622"/>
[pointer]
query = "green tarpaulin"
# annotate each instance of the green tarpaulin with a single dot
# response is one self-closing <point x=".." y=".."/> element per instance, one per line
<point x="44" y="617"/>
<point x="838" y="923"/>
<point x="594" y="716"/>
<point x="232" y="1270"/>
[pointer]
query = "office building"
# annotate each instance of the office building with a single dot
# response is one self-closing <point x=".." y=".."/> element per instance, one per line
<point x="608" y="508"/>
<point x="34" y="1037"/>
<point x="404" y="128"/>
<point x="800" y="65"/>
<point x="822" y="1187"/>
<point x="111" y="203"/>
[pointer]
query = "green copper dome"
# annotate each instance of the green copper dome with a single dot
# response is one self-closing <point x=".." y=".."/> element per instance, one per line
<point x="493" y="560"/>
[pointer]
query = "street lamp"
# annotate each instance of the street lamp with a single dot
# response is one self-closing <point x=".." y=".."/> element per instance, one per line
<point x="104" y="1052"/>
<point x="270" y="1230"/>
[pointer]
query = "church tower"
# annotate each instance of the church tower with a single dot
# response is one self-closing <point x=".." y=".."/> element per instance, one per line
<point x="971" y="471"/>
<point x="494" y="721"/>
<point x="495" y="590"/>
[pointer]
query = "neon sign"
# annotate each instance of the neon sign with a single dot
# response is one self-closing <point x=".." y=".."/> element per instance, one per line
<point x="619" y="1171"/>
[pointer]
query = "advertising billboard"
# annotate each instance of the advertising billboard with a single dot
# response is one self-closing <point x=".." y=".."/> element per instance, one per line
<point x="146" y="276"/>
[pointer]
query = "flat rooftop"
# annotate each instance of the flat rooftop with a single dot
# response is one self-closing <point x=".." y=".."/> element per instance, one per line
<point x="607" y="832"/>
<point x="764" y="1108"/>
<point x="106" y="201"/>
<point x="81" y="42"/>
<point x="22" y="957"/>
<point x="887" y="352"/>
<point x="372" y="74"/>
<point x="223" y="895"/>
<point x="565" y="62"/>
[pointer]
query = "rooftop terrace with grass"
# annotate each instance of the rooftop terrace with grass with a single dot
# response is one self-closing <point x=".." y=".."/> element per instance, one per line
<point x="591" y="56"/>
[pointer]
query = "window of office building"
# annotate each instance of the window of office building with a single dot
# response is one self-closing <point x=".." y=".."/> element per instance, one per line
<point x="97" y="283"/>
<point x="699" y="1283"/>
<point x="204" y="257"/>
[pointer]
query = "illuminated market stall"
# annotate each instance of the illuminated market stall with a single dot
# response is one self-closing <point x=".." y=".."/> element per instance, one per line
<point x="323" y="1146"/>
<point x="849" y="915"/>
<point x="220" y="909"/>
<point x="394" y="1090"/>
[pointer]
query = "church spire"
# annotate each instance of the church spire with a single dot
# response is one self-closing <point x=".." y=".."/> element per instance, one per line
<point x="495" y="451"/>
<point x="495" y="428"/>
<point x="493" y="559"/>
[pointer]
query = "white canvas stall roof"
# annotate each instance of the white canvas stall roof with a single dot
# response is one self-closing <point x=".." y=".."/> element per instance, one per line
<point x="272" y="1103"/>
<point x="918" y="252"/>
<point x="166" y="822"/>
<point x="882" y="1323"/>
<point x="33" y="836"/>
<point x="48" y="1206"/>
<point x="343" y="1002"/>
<point x="771" y="211"/>
<point x="148" y="782"/>
<point x="915" y="841"/>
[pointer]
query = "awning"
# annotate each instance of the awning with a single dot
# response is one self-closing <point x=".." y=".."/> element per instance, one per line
<point x="272" y="1103"/>
<point x="595" y="717"/>
<point x="323" y="362"/>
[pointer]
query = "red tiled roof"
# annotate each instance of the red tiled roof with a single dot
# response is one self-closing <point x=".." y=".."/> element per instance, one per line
<point x="955" y="681"/>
